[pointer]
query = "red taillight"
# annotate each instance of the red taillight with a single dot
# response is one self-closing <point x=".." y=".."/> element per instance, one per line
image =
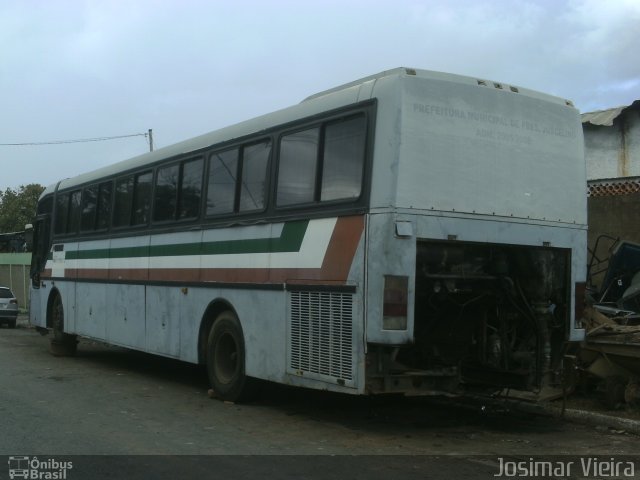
<point x="396" y="296"/>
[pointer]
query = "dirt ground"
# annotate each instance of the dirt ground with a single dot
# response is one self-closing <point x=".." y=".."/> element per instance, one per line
<point x="112" y="401"/>
<point x="590" y="401"/>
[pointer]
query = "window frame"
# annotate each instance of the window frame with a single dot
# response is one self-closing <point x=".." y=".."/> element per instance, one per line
<point x="180" y="163"/>
<point x="56" y="213"/>
<point x="135" y="198"/>
<point x="241" y="170"/>
<point x="133" y="175"/>
<point x="128" y="175"/>
<point x="205" y="196"/>
<point x="94" y="216"/>
<point x="317" y="165"/>
<point x="180" y="201"/>
<point x="365" y="176"/>
<point x="270" y="212"/>
<point x="99" y="189"/>
<point x="111" y="186"/>
<point x="240" y="167"/>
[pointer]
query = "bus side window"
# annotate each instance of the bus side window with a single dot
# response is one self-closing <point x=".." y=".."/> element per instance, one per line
<point x="142" y="198"/>
<point x="89" y="204"/>
<point x="178" y="191"/>
<point x="255" y="159"/>
<point x="166" y="194"/>
<point x="343" y="161"/>
<point x="221" y="187"/>
<point x="297" y="168"/>
<point x="62" y="213"/>
<point x="335" y="153"/>
<point x="124" y="197"/>
<point x="75" y="211"/>
<point x="190" y="189"/>
<point x="104" y="205"/>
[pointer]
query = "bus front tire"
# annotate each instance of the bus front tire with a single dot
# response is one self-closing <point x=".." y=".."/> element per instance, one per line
<point x="62" y="344"/>
<point x="226" y="360"/>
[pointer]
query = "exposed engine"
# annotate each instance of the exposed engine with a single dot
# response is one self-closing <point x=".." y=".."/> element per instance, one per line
<point x="496" y="313"/>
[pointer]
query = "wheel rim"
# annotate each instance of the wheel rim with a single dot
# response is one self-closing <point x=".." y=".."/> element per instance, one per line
<point x="226" y="358"/>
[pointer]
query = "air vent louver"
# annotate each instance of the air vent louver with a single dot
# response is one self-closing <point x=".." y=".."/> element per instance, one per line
<point x="321" y="334"/>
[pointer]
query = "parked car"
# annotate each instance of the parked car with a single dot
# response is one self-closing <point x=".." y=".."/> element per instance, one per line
<point x="8" y="307"/>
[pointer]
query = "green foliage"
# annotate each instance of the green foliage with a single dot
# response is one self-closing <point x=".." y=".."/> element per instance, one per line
<point x="18" y="207"/>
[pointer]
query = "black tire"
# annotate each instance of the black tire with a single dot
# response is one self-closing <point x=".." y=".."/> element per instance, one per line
<point x="62" y="344"/>
<point x="11" y="323"/>
<point x="226" y="360"/>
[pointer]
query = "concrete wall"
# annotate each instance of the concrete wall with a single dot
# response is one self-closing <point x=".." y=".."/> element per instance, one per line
<point x="14" y="273"/>
<point x="614" y="151"/>
<point x="612" y="154"/>
<point x="616" y="216"/>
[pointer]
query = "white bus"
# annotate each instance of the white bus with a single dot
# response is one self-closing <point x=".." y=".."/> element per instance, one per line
<point x="412" y="232"/>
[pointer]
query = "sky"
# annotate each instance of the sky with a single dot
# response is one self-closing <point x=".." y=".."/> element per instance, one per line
<point x="74" y="70"/>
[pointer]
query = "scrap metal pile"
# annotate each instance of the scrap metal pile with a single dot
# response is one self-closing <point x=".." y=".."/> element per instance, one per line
<point x="611" y="350"/>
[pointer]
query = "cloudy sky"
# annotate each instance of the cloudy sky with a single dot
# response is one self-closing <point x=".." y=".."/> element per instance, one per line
<point x="73" y="69"/>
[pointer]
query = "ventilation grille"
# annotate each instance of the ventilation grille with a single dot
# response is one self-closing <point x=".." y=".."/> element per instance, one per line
<point x="321" y="333"/>
<point x="613" y="187"/>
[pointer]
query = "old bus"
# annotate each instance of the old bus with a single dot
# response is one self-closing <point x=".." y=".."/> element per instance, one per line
<point x="412" y="232"/>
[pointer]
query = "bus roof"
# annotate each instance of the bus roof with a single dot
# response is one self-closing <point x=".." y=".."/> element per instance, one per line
<point x="442" y="76"/>
<point x="333" y="98"/>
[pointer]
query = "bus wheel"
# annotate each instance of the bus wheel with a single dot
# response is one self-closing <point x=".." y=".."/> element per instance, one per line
<point x="62" y="344"/>
<point x="225" y="360"/>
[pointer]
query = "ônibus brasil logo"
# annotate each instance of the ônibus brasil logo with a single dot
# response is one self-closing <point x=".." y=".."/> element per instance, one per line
<point x="35" y="469"/>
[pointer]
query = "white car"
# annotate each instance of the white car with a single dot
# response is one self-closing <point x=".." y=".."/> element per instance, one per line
<point x="8" y="307"/>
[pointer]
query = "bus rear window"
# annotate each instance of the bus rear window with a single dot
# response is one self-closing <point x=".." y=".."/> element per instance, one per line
<point x="6" y="293"/>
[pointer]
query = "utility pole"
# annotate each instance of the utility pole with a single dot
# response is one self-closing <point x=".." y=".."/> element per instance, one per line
<point x="150" y="140"/>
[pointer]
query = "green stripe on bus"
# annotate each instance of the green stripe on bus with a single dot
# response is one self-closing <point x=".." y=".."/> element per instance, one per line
<point x="290" y="240"/>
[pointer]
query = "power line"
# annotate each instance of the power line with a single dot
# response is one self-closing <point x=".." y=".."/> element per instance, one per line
<point x="79" y="140"/>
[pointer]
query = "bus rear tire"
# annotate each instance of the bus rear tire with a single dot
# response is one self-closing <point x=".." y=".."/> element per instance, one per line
<point x="226" y="360"/>
<point x="62" y="344"/>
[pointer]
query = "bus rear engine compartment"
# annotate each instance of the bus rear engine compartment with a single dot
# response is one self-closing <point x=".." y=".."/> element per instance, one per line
<point x="487" y="317"/>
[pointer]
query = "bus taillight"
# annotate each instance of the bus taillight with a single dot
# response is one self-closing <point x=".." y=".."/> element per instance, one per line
<point x="394" y="311"/>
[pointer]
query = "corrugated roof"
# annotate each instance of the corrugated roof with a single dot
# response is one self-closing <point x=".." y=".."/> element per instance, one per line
<point x="602" y="117"/>
<point x="606" y="117"/>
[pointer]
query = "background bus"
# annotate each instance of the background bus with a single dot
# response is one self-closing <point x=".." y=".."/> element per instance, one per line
<point x="412" y="232"/>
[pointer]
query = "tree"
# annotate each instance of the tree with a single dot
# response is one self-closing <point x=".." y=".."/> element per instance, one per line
<point x="18" y="207"/>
